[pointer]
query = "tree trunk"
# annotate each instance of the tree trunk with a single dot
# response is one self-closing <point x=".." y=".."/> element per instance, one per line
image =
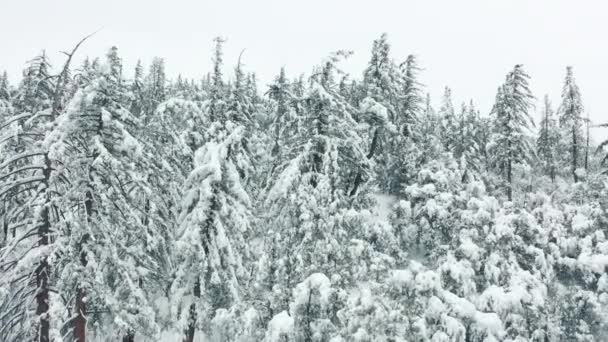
<point x="43" y="269"/>
<point x="129" y="337"/>
<point x="587" y="148"/>
<point x="42" y="283"/>
<point x="80" y="322"/>
<point x="574" y="155"/>
<point x="189" y="333"/>
<point x="510" y="181"/>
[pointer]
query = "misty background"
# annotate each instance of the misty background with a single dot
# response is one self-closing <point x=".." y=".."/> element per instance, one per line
<point x="467" y="45"/>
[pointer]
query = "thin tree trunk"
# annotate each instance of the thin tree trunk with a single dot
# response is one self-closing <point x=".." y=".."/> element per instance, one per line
<point x="574" y="155"/>
<point x="189" y="333"/>
<point x="80" y="322"/>
<point x="42" y="282"/>
<point x="587" y="147"/>
<point x="42" y="271"/>
<point x="509" y="180"/>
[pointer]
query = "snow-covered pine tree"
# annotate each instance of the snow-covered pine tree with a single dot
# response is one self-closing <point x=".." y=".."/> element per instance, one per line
<point x="239" y="106"/>
<point x="137" y="90"/>
<point x="447" y="117"/>
<point x="587" y="141"/>
<point x="25" y="190"/>
<point x="107" y="249"/>
<point x="154" y="88"/>
<point x="411" y="99"/>
<point x="213" y="225"/>
<point x="429" y="141"/>
<point x="6" y="102"/>
<point x="467" y="147"/>
<point x="5" y="89"/>
<point x="381" y="88"/>
<point x="285" y="121"/>
<point x="405" y="149"/>
<point x="30" y="180"/>
<point x="548" y="140"/>
<point x="511" y="125"/>
<point x="308" y="203"/>
<point x="215" y="105"/>
<point x="571" y="119"/>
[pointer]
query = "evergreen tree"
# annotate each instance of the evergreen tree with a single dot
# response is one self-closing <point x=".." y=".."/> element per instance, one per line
<point x="429" y="128"/>
<point x="96" y="137"/>
<point x="216" y="104"/>
<point x="466" y="146"/>
<point x="405" y="150"/>
<point x="137" y="90"/>
<point x="447" y="115"/>
<point x="284" y="125"/>
<point x="380" y="109"/>
<point x="31" y="179"/>
<point x="510" y="133"/>
<point x="239" y="105"/>
<point x="214" y="222"/>
<point x="34" y="91"/>
<point x="412" y="100"/>
<point x="154" y="91"/>
<point x="5" y="90"/>
<point x="571" y="121"/>
<point x="547" y="142"/>
<point x="308" y="197"/>
<point x="26" y="185"/>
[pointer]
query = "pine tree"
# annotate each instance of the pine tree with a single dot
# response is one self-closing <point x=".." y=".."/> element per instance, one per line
<point x="31" y="179"/>
<point x="429" y="120"/>
<point x="96" y="136"/>
<point x="239" y="107"/>
<point x="5" y="90"/>
<point x="137" y="90"/>
<point x="587" y="138"/>
<point x="571" y="120"/>
<point x="26" y="187"/>
<point x="447" y="115"/>
<point x="214" y="222"/>
<point x="34" y="91"/>
<point x="405" y="149"/>
<point x="154" y="88"/>
<point x="428" y="142"/>
<point x="547" y="142"/>
<point x="309" y="197"/>
<point x="411" y="96"/>
<point x="466" y="146"/>
<point x="380" y="110"/>
<point x="216" y="101"/>
<point x="284" y="125"/>
<point x="510" y="133"/>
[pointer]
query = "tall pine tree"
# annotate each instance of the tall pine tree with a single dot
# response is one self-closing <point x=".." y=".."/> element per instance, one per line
<point x="571" y="121"/>
<point x="510" y="142"/>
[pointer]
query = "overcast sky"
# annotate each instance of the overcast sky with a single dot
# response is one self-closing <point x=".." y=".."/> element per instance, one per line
<point x="468" y="45"/>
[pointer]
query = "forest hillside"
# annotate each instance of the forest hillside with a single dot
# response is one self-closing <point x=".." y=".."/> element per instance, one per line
<point x="319" y="207"/>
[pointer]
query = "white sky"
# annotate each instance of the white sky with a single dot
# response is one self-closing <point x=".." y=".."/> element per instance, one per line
<point x="468" y="45"/>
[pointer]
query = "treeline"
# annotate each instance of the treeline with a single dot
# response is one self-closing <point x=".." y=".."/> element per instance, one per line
<point x="318" y="208"/>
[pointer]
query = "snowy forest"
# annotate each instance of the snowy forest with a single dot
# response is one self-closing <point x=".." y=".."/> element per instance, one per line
<point x="319" y="207"/>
